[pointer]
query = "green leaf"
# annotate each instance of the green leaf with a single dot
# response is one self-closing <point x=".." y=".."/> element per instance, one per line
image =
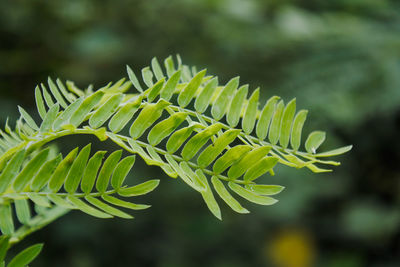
<point x="189" y="91"/>
<point x="3" y="246"/>
<point x="286" y="124"/>
<point x="40" y="103"/>
<point x="208" y="196"/>
<point x="6" y="222"/>
<point x="124" y="115"/>
<point x="121" y="171"/>
<point x="26" y="256"/>
<point x="248" y="161"/>
<point x="65" y="116"/>
<point x="149" y="114"/>
<point x="314" y="140"/>
<point x="44" y="174"/>
<point x="276" y="124"/>
<point x="235" y="110"/>
<point x="60" y="201"/>
<point x="28" y="119"/>
<point x="334" y="152"/>
<point x="76" y="171"/>
<point x="133" y="79"/>
<point x="155" y="90"/>
<point x="195" y="180"/>
<point x="230" y="157"/>
<point x="54" y="90"/>
<point x="179" y="137"/>
<point x="220" y="144"/>
<point x="47" y="96"/>
<point x="298" y="123"/>
<point x="59" y="175"/>
<point x="204" y="98"/>
<point x="39" y="200"/>
<point x="250" y="114"/>
<point x="262" y="166"/>
<point x="183" y="174"/>
<point x="124" y="204"/>
<point x="196" y="142"/>
<point x="90" y="174"/>
<point x="108" y="168"/>
<point x="166" y="167"/>
<point x="226" y="196"/>
<point x="49" y="119"/>
<point x="147" y="75"/>
<point x="23" y="211"/>
<point x="251" y="196"/>
<point x="157" y="69"/>
<point x="30" y="170"/>
<point x="224" y="99"/>
<point x="263" y="189"/>
<point x="107" y="208"/>
<point x="11" y="170"/>
<point x="87" y="105"/>
<point x="102" y="114"/>
<point x="140" y="189"/>
<point x="169" y="66"/>
<point x="165" y="128"/>
<point x="82" y="206"/>
<point x="168" y="90"/>
<point x="70" y="97"/>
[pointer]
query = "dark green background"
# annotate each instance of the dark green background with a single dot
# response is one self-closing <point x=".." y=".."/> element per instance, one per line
<point x="339" y="58"/>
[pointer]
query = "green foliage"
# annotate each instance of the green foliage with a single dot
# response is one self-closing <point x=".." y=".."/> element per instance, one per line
<point x="180" y="120"/>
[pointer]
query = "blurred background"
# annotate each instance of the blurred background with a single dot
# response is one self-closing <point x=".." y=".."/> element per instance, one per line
<point x="339" y="58"/>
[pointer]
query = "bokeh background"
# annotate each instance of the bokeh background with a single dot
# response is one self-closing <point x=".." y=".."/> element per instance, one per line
<point x="339" y="58"/>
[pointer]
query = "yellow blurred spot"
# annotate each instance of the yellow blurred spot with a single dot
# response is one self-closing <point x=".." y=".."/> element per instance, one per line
<point x="292" y="248"/>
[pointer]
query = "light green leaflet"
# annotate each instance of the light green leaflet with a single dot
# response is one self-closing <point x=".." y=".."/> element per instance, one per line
<point x="85" y="107"/>
<point x="169" y="87"/>
<point x="189" y="91"/>
<point x="180" y="136"/>
<point x="314" y="140"/>
<point x="147" y="75"/>
<point x="149" y="114"/>
<point x="250" y="114"/>
<point x="230" y="157"/>
<point x="262" y="166"/>
<point x="275" y="127"/>
<point x="133" y="79"/>
<point x="262" y="189"/>
<point x="235" y="109"/>
<point x="226" y="196"/>
<point x="196" y="142"/>
<point x="105" y="111"/>
<point x="140" y="189"/>
<point x="59" y="175"/>
<point x="212" y="151"/>
<point x="157" y="69"/>
<point x="121" y="171"/>
<point x="124" y="115"/>
<point x="26" y="256"/>
<point x="224" y="98"/>
<point x="265" y="117"/>
<point x="76" y="171"/>
<point x="22" y="210"/>
<point x="204" y="98"/>
<point x="106" y="171"/>
<point x="298" y="123"/>
<point x="30" y="170"/>
<point x="165" y="128"/>
<point x="249" y="160"/>
<point x="208" y="196"/>
<point x="155" y="90"/>
<point x="251" y="196"/>
<point x="286" y="124"/>
<point x="90" y="174"/>
<point x="11" y="170"/>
